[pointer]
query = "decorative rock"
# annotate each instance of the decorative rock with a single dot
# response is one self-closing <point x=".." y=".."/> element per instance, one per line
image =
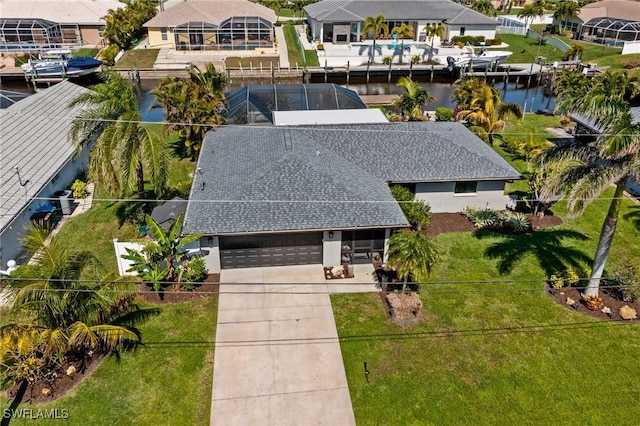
<point x="337" y="272"/>
<point x="46" y="391"/>
<point x="570" y="301"/>
<point x="628" y="313"/>
<point x="606" y="310"/>
<point x="72" y="369"/>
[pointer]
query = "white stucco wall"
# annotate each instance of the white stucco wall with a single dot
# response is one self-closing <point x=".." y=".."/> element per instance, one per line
<point x="331" y="248"/>
<point x="489" y="33"/>
<point x="212" y="254"/>
<point x="442" y="199"/>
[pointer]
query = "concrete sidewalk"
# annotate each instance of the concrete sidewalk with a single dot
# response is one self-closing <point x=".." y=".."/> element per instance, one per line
<point x="277" y="355"/>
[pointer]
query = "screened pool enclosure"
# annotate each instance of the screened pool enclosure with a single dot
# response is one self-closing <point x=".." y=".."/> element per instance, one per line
<point x="255" y="103"/>
<point x="36" y="34"/>
<point x="611" y="31"/>
<point x="236" y="33"/>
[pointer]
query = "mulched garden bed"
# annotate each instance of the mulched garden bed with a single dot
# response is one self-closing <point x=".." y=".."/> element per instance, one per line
<point x="457" y="222"/>
<point x="59" y="384"/>
<point x="211" y="284"/>
<point x="608" y="299"/>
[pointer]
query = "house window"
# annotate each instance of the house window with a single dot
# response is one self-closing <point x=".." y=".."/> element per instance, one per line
<point x="467" y="187"/>
<point x="163" y="33"/>
<point x="462" y="30"/>
<point x="100" y="31"/>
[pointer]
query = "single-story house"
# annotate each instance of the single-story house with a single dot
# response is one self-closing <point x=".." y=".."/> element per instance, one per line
<point x="37" y="159"/>
<point x="33" y="25"/>
<point x="341" y="21"/>
<point x="289" y="104"/>
<point x="213" y="25"/>
<point x="268" y="196"/>
<point x="166" y="213"/>
<point x="610" y="22"/>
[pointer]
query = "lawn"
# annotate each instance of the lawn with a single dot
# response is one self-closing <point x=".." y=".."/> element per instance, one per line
<point x="85" y="52"/>
<point x="493" y="348"/>
<point x="234" y="62"/>
<point x="138" y="58"/>
<point x="166" y="382"/>
<point x="293" y="49"/>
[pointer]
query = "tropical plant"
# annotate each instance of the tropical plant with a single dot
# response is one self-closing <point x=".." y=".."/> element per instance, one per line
<point x="79" y="189"/>
<point x="417" y="212"/>
<point x="403" y="31"/>
<point x="531" y="11"/>
<point x="192" y="271"/>
<point x="413" y="254"/>
<point x="464" y="90"/>
<point x="387" y="60"/>
<point x="485" y="7"/>
<point x="416" y="59"/>
<point x="486" y="113"/>
<point x="123" y="25"/>
<point x="61" y="312"/>
<point x="567" y="80"/>
<point x="592" y="302"/>
<point x="125" y="149"/>
<point x="413" y="99"/>
<point x="626" y="280"/>
<point x="192" y="106"/>
<point x="574" y="53"/>
<point x="376" y="26"/>
<point x="584" y="171"/>
<point x="433" y="31"/>
<point x="565" y="9"/>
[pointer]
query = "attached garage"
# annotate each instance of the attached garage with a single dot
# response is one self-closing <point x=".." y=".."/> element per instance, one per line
<point x="250" y="251"/>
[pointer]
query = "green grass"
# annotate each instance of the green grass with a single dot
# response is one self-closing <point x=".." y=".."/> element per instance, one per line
<point x="86" y="52"/>
<point x="234" y="62"/>
<point x="166" y="382"/>
<point x="290" y="13"/>
<point x="499" y="351"/>
<point x="138" y="58"/>
<point x="293" y="50"/>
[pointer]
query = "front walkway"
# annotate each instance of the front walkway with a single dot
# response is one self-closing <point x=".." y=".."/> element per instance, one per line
<point x="277" y="354"/>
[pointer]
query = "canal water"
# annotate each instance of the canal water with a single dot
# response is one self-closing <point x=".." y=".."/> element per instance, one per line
<point x="532" y="99"/>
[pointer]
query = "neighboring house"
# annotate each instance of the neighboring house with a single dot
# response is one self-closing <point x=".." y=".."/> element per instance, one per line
<point x="297" y="104"/>
<point x="267" y="196"/>
<point x="36" y="159"/>
<point x="610" y="22"/>
<point x="341" y="21"/>
<point x="33" y="25"/>
<point x="195" y="25"/>
<point x="166" y="213"/>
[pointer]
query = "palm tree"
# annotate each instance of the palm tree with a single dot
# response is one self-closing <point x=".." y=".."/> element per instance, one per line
<point x="574" y="52"/>
<point x="584" y="171"/>
<point x="487" y="113"/>
<point x="57" y="314"/>
<point x="125" y="148"/>
<point x="375" y="26"/>
<point x="565" y="9"/>
<point x="403" y="31"/>
<point x="463" y="91"/>
<point x="568" y="79"/>
<point x="434" y="31"/>
<point x="485" y="7"/>
<point x="530" y="11"/>
<point x="413" y="99"/>
<point x="413" y="254"/>
<point x="192" y="106"/>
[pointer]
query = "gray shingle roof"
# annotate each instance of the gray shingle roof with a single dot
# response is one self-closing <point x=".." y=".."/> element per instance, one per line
<point x="327" y="177"/>
<point x="34" y="138"/>
<point x="591" y="123"/>
<point x="429" y="10"/>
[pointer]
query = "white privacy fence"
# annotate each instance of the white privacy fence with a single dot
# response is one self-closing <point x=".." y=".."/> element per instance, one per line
<point x="631" y="47"/>
<point x="124" y="264"/>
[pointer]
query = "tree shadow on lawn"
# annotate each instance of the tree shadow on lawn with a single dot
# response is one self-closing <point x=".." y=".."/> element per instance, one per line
<point x="633" y="216"/>
<point x="546" y="245"/>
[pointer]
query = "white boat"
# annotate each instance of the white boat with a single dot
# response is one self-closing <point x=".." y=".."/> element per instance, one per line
<point x="59" y="64"/>
<point x="469" y="58"/>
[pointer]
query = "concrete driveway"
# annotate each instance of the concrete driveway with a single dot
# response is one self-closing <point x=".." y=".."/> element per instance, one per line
<point x="277" y="355"/>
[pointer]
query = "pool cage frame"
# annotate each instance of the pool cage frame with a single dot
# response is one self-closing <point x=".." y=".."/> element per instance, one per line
<point x="235" y="33"/>
<point x="27" y="35"/>
<point x="611" y="31"/>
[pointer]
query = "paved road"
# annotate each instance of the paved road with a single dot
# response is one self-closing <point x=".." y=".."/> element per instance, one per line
<point x="277" y="356"/>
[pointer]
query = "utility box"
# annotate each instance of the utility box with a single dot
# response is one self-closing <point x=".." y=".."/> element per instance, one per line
<point x="64" y="201"/>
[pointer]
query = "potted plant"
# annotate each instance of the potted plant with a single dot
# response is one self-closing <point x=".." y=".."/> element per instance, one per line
<point x="593" y="303"/>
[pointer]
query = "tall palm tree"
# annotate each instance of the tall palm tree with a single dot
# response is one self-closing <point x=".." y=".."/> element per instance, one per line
<point x="530" y="11"/>
<point x="583" y="172"/>
<point x="485" y="7"/>
<point x="413" y="254"/>
<point x="433" y="31"/>
<point x="192" y="106"/>
<point x="486" y="113"/>
<point x="58" y="314"/>
<point x="413" y="99"/>
<point x="574" y="52"/>
<point x="403" y="31"/>
<point x="565" y="9"/>
<point x="463" y="91"/>
<point x="125" y="148"/>
<point x="376" y="26"/>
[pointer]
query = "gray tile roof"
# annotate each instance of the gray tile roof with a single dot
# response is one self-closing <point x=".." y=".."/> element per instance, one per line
<point x="429" y="10"/>
<point x="211" y="11"/>
<point x="591" y="123"/>
<point x="260" y="179"/>
<point x="34" y="138"/>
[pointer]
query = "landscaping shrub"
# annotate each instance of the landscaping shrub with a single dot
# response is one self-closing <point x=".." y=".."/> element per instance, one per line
<point x="417" y="212"/>
<point x="320" y="46"/>
<point x="416" y="59"/>
<point x="473" y="40"/>
<point x="79" y="189"/>
<point x="489" y="218"/>
<point x="517" y="222"/>
<point x="109" y="54"/>
<point x="626" y="279"/>
<point x="387" y="60"/>
<point x="444" y="114"/>
<point x="192" y="272"/>
<point x="494" y="42"/>
<point x="567" y="278"/>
